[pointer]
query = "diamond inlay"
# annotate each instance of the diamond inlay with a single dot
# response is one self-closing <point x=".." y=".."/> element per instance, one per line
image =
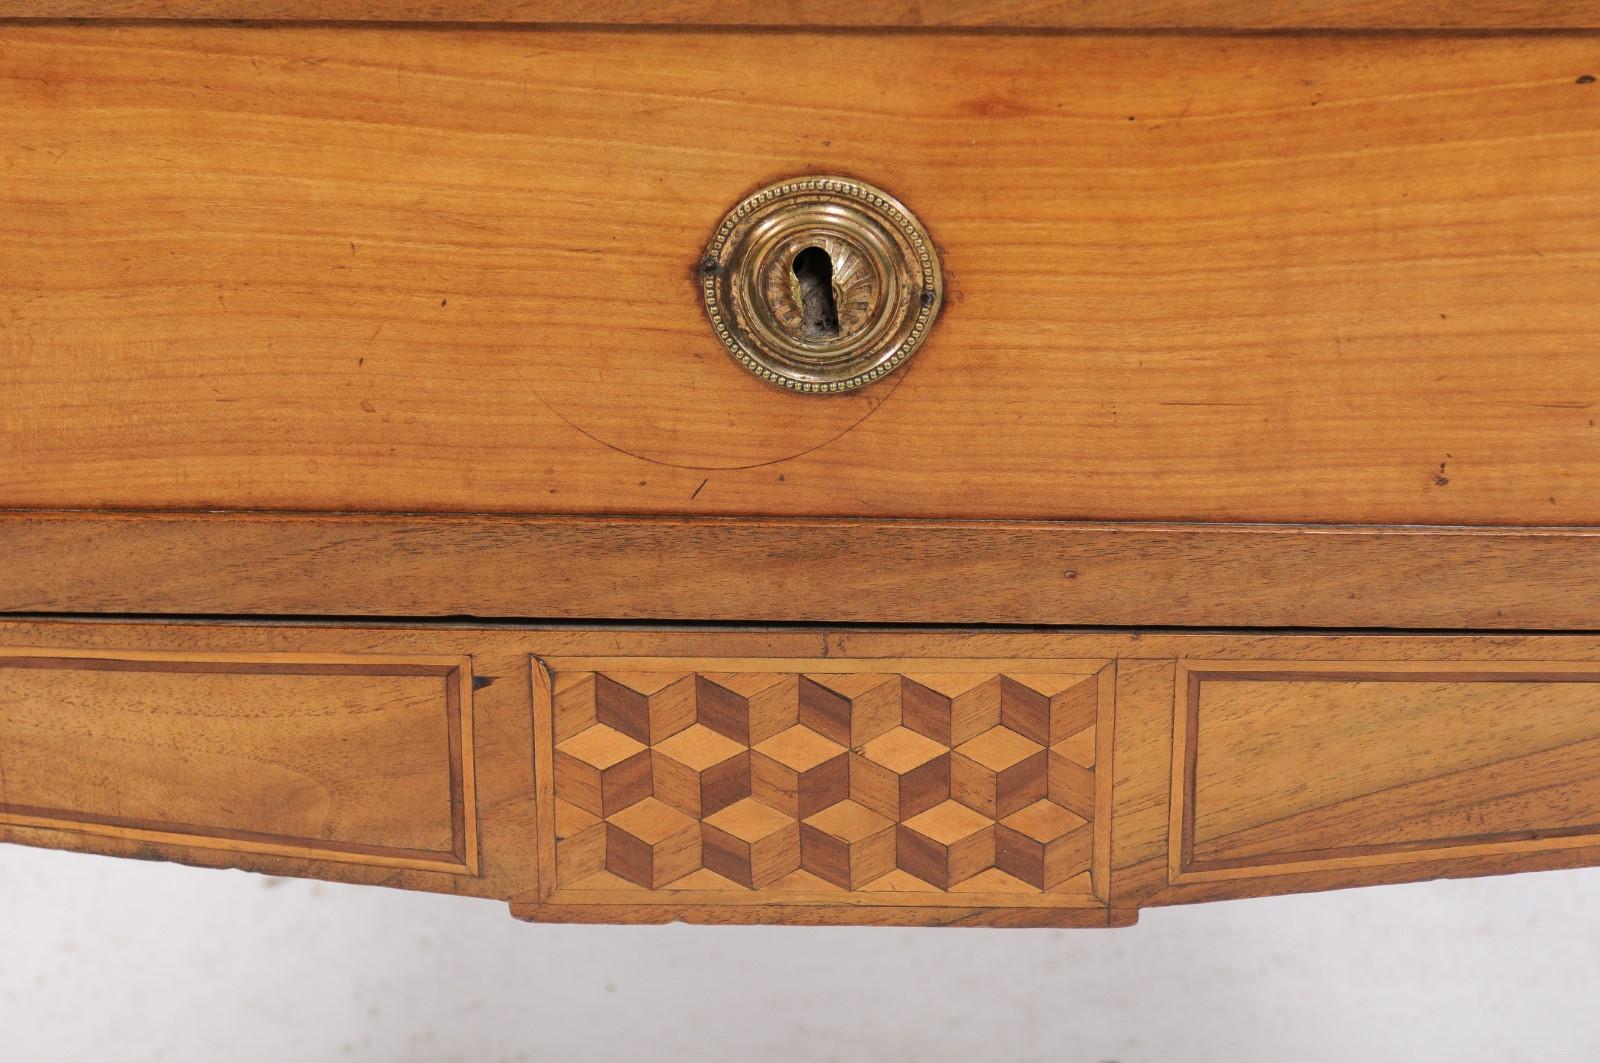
<point x="870" y="783"/>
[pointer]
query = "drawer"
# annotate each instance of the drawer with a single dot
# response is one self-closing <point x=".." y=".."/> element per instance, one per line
<point x="1325" y="278"/>
<point x="837" y="776"/>
<point x="1216" y="766"/>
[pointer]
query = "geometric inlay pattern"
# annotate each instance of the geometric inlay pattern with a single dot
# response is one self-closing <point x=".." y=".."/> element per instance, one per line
<point x="860" y="782"/>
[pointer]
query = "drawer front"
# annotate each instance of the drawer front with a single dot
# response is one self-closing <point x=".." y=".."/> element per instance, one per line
<point x="1188" y="277"/>
<point x="362" y="759"/>
<point x="805" y="776"/>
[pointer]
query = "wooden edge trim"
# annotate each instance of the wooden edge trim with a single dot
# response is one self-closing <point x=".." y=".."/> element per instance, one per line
<point x="824" y="915"/>
<point x="1152" y="891"/>
<point x="1180" y="815"/>
<point x="1359" y="857"/>
<point x="1105" y="723"/>
<point x="908" y="667"/>
<point x="463" y="767"/>
<point x="544" y="776"/>
<point x="1215" y="15"/>
<point x="932" y="900"/>
<point x="823" y="570"/>
<point x="238" y="842"/>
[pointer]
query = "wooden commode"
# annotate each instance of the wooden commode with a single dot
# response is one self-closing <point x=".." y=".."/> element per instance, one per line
<point x="965" y="463"/>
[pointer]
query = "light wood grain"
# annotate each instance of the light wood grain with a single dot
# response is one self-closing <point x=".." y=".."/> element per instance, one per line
<point x="1294" y="767"/>
<point x="1393" y="765"/>
<point x="358" y="755"/>
<point x="786" y="570"/>
<point x="357" y="759"/>
<point x="1298" y="278"/>
<point x="1057" y="14"/>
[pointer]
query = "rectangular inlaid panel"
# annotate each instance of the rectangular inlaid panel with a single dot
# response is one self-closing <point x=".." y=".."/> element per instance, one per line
<point x="1319" y="278"/>
<point x="976" y="784"/>
<point x="1285" y="767"/>
<point x="344" y="757"/>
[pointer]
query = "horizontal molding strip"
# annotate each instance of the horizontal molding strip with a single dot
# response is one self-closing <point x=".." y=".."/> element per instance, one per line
<point x="799" y="570"/>
<point x="1060" y="14"/>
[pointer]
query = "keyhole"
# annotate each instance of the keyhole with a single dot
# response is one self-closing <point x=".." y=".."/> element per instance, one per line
<point x="819" y="316"/>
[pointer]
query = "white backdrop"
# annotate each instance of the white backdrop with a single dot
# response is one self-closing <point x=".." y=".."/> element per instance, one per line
<point x="109" y="960"/>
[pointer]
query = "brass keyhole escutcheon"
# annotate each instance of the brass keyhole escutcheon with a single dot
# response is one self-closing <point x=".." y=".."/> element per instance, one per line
<point x="821" y="284"/>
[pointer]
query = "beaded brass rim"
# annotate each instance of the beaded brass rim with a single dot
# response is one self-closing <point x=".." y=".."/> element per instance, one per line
<point x="883" y="285"/>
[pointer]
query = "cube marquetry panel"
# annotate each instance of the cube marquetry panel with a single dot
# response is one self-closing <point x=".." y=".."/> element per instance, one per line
<point x="739" y="784"/>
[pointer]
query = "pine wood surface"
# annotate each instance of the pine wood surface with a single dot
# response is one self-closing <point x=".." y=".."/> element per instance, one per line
<point x="628" y="775"/>
<point x="1288" y="278"/>
<point x="1060" y="14"/>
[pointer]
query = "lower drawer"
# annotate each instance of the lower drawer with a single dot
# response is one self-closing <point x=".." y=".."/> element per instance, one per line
<point x="804" y="776"/>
